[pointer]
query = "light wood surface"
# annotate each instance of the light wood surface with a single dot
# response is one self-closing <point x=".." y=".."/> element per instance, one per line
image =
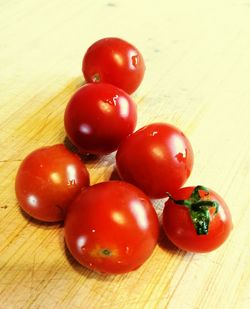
<point x="197" y="78"/>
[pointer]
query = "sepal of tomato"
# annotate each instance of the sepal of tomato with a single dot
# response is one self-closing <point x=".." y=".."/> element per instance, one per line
<point x="198" y="206"/>
<point x="196" y="219"/>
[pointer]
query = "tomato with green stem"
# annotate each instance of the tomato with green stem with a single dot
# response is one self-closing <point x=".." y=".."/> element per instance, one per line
<point x="196" y="219"/>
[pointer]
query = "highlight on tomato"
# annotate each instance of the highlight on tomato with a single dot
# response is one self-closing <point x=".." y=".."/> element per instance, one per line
<point x="114" y="61"/>
<point x="98" y="117"/>
<point x="47" y="180"/>
<point x="157" y="158"/>
<point x="111" y="227"/>
<point x="196" y="219"/>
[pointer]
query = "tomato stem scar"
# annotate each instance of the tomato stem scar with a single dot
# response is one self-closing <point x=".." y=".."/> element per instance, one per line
<point x="106" y="252"/>
<point x="96" y="78"/>
<point x="199" y="208"/>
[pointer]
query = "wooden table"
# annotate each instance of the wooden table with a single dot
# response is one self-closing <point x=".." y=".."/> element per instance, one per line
<point x="197" y="78"/>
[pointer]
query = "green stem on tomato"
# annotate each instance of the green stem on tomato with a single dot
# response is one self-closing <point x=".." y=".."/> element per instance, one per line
<point x="198" y="209"/>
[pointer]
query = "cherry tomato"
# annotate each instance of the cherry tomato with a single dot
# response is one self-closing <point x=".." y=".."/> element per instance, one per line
<point x="158" y="158"/>
<point x="114" y="61"/>
<point x="111" y="227"/>
<point x="196" y="219"/>
<point x="48" y="179"/>
<point x="98" y="117"/>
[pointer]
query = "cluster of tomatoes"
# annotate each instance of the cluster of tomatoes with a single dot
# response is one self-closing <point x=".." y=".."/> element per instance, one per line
<point x="112" y="226"/>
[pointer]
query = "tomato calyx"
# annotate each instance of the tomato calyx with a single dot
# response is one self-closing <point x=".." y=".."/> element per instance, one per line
<point x="198" y="206"/>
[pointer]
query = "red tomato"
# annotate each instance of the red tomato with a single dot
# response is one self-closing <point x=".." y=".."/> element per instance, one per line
<point x="48" y="180"/>
<point x="158" y="158"/>
<point x="114" y="61"/>
<point x="111" y="227"/>
<point x="98" y="117"/>
<point x="196" y="227"/>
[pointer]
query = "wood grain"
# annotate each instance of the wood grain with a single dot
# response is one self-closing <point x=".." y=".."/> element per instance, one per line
<point x="197" y="78"/>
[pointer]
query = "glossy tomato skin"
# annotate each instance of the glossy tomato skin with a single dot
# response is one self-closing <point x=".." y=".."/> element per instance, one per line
<point x="158" y="158"/>
<point x="111" y="227"/>
<point x="98" y="117"/>
<point x="114" y="61"/>
<point x="47" y="180"/>
<point x="180" y="229"/>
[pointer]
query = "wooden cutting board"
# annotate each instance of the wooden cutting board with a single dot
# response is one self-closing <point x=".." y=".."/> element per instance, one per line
<point x="197" y="78"/>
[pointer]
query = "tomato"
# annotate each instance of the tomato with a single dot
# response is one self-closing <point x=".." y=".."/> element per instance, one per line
<point x="98" y="117"/>
<point x="158" y="158"/>
<point x="48" y="179"/>
<point x="197" y="219"/>
<point x="111" y="227"/>
<point x="114" y="61"/>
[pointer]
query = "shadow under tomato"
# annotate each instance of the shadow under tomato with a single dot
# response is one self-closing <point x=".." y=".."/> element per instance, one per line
<point x="114" y="175"/>
<point x="85" y="157"/>
<point x="41" y="224"/>
<point x="166" y="244"/>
